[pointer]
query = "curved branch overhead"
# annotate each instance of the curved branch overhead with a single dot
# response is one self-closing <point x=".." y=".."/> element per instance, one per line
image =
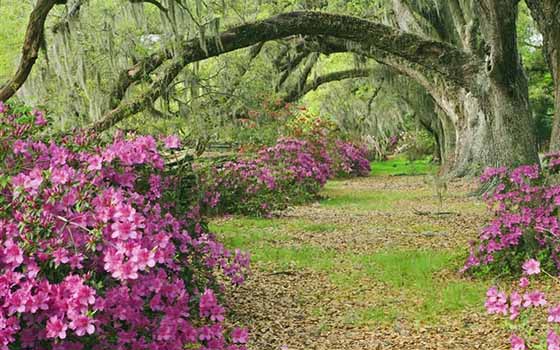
<point x="31" y="45"/>
<point x="442" y="59"/>
<point x="296" y="94"/>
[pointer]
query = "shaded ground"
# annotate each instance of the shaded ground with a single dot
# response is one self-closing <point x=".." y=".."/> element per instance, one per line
<point x="372" y="266"/>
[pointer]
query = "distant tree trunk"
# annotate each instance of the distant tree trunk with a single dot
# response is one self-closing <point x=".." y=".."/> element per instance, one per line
<point x="547" y="16"/>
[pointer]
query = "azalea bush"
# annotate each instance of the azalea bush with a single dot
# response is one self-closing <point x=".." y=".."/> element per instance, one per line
<point x="293" y="171"/>
<point x="290" y="172"/>
<point x="93" y="252"/>
<point x="263" y="126"/>
<point x="350" y="160"/>
<point x="525" y="202"/>
<point x="523" y="238"/>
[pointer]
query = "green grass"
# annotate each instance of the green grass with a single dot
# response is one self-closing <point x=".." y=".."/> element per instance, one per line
<point x="418" y="285"/>
<point x="415" y="274"/>
<point x="405" y="269"/>
<point x="372" y="316"/>
<point x="401" y="166"/>
<point x="412" y="278"/>
<point x="307" y="256"/>
<point x="249" y="233"/>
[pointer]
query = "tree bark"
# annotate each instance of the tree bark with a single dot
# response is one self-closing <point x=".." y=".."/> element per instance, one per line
<point x="31" y="45"/>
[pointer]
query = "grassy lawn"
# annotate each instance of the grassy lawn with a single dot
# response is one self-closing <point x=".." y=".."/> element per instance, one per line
<point x="380" y="284"/>
<point x="399" y="165"/>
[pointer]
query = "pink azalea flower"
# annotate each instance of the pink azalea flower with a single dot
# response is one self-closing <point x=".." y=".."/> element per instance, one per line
<point x="56" y="328"/>
<point x="82" y="325"/>
<point x="13" y="255"/>
<point x="523" y="282"/>
<point x="552" y="341"/>
<point x="95" y="163"/>
<point x="532" y="267"/>
<point x="172" y="142"/>
<point x="240" y="335"/>
<point x="517" y="343"/>
<point x="33" y="181"/>
<point x="39" y="118"/>
<point x="535" y="299"/>
<point x="123" y="230"/>
<point x="554" y="314"/>
<point x="496" y="302"/>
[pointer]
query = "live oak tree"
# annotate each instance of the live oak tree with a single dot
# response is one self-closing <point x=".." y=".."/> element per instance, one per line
<point x="476" y="79"/>
<point x="463" y="53"/>
<point x="34" y="37"/>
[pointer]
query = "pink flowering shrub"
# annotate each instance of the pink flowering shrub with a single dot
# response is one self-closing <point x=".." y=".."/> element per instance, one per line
<point x="350" y="160"/>
<point x="522" y="307"/>
<point x="93" y="253"/>
<point x="525" y="202"/>
<point x="291" y="172"/>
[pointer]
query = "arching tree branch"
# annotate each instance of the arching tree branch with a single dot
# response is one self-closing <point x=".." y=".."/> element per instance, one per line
<point x="31" y="46"/>
<point x="450" y="63"/>
<point x="296" y="94"/>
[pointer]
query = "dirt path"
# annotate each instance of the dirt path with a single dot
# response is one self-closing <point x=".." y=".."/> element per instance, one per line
<point x="373" y="266"/>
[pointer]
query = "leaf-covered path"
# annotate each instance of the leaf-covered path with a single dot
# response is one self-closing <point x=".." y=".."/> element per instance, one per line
<point x="372" y="266"/>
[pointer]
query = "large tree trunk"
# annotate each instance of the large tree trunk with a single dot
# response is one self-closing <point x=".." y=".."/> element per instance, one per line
<point x="555" y="137"/>
<point x="553" y="58"/>
<point x="492" y="123"/>
<point x="493" y="130"/>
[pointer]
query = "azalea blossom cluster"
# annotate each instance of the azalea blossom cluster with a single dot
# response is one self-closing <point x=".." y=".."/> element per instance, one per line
<point x="520" y="301"/>
<point x="290" y="172"/>
<point x="92" y="257"/>
<point x="351" y="160"/>
<point x="525" y="202"/>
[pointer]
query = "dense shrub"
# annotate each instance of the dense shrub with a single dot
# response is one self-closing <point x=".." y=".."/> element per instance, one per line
<point x="94" y="255"/>
<point x="350" y="160"/>
<point x="525" y="202"/>
<point x="290" y="172"/>
<point x="523" y="237"/>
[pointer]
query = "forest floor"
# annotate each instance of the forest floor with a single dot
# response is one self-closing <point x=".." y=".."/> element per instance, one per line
<point x="374" y="265"/>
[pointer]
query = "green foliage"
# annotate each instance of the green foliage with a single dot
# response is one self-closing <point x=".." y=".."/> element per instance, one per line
<point x="14" y="14"/>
